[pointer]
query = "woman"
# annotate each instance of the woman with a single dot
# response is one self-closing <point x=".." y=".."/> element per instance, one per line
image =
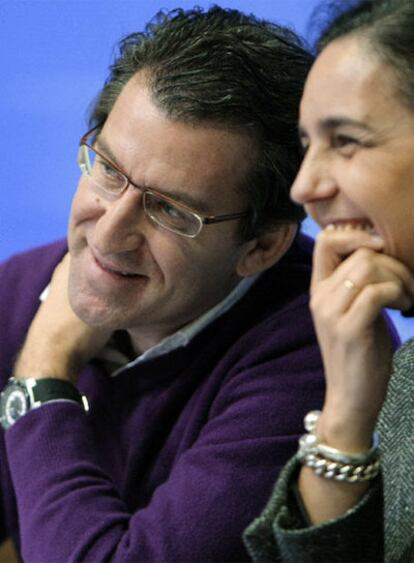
<point x="357" y="182"/>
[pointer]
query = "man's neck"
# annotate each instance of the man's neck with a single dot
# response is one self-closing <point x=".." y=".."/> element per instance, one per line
<point x="143" y="340"/>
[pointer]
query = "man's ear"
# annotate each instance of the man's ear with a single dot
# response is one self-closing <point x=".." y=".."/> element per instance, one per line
<point x="265" y="250"/>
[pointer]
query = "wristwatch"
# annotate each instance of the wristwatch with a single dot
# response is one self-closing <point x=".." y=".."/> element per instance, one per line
<point x="22" y="395"/>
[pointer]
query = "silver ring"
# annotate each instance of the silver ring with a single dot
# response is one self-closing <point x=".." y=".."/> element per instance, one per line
<point x="349" y="284"/>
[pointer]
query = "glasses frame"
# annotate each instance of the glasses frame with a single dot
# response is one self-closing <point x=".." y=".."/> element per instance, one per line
<point x="201" y="218"/>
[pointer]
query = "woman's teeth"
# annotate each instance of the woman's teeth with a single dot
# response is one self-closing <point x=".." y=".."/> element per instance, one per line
<point x="351" y="225"/>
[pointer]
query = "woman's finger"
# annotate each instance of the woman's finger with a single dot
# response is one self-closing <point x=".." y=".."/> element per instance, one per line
<point x="363" y="268"/>
<point x="332" y="247"/>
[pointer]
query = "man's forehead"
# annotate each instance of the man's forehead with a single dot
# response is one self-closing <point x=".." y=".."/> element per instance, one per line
<point x="139" y="102"/>
<point x="140" y="139"/>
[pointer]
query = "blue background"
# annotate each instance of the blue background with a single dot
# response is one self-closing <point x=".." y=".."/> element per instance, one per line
<point x="54" y="57"/>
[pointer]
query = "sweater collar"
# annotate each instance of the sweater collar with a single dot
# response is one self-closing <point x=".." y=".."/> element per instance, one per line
<point x="185" y="334"/>
<point x="116" y="360"/>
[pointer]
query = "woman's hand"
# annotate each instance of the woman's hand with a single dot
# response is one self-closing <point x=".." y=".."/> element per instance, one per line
<point x="58" y="343"/>
<point x="352" y="282"/>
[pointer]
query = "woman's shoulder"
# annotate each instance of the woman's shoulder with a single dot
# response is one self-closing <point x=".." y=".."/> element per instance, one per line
<point x="400" y="393"/>
<point x="404" y="356"/>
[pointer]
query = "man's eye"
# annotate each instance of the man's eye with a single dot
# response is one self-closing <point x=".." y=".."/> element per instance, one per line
<point x="170" y="210"/>
<point x="108" y="170"/>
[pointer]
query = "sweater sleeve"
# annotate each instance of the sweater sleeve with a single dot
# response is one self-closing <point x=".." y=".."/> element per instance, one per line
<point x="3" y="532"/>
<point x="280" y="534"/>
<point x="70" y="510"/>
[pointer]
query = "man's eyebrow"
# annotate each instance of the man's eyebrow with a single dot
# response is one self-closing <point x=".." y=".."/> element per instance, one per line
<point x="186" y="199"/>
<point x="104" y="147"/>
<point x="177" y="195"/>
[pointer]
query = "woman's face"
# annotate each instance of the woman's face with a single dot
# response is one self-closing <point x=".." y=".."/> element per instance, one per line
<point x="358" y="136"/>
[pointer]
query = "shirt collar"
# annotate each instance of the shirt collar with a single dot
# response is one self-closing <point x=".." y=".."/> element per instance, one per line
<point x="183" y="336"/>
<point x="118" y="361"/>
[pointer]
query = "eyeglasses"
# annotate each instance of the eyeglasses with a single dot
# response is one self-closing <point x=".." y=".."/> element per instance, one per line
<point x="162" y="210"/>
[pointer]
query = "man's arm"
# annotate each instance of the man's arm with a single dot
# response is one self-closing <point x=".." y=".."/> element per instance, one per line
<point x="213" y="491"/>
<point x="215" y="487"/>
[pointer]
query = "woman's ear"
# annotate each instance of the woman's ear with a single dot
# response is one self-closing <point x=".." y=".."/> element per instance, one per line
<point x="264" y="251"/>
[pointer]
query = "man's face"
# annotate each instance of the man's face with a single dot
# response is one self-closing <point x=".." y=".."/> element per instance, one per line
<point x="127" y="272"/>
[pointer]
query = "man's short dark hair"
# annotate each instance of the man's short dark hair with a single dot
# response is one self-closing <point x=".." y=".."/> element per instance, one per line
<point x="228" y="69"/>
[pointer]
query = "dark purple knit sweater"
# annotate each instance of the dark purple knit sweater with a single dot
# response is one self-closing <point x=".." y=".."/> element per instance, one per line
<point x="178" y="454"/>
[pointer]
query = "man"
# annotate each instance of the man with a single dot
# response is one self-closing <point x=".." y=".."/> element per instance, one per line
<point x="186" y="324"/>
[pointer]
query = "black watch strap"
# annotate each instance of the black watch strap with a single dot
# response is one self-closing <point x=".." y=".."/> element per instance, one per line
<point x="22" y="395"/>
<point x="51" y="389"/>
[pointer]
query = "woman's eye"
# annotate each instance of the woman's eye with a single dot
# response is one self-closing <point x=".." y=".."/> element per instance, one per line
<point x="303" y="141"/>
<point x="345" y="144"/>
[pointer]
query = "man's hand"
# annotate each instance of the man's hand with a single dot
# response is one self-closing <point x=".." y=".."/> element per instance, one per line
<point x="58" y="343"/>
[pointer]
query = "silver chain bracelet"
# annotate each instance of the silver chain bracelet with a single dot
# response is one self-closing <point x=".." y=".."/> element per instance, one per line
<point x="332" y="463"/>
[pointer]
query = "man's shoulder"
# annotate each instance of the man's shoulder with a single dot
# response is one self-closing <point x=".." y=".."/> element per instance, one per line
<point x="44" y="253"/>
<point x="298" y="257"/>
<point x="286" y="283"/>
<point x="22" y="279"/>
<point x="25" y="268"/>
<point x="272" y="321"/>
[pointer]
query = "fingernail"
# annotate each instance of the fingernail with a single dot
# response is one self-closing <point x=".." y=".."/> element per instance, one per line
<point x="377" y="240"/>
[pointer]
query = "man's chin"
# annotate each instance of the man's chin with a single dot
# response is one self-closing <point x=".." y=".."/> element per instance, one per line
<point x="93" y="312"/>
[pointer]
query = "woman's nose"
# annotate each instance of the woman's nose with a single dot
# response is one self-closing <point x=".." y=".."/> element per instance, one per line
<point x="314" y="181"/>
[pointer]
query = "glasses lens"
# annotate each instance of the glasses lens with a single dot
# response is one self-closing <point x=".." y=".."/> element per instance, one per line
<point x="100" y="170"/>
<point x="171" y="216"/>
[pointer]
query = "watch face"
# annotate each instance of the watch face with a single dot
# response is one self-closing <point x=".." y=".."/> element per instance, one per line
<point x="14" y="404"/>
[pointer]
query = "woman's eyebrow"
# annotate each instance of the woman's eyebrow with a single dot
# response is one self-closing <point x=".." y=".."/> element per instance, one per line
<point x="330" y="123"/>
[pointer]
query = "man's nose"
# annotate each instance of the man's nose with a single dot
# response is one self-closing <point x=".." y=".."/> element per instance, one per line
<point x="120" y="228"/>
<point x="315" y="179"/>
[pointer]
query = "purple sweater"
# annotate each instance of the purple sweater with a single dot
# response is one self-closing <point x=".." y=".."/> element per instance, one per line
<point x="178" y="454"/>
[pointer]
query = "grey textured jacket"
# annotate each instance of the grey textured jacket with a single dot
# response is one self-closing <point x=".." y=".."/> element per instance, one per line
<point x="280" y="533"/>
